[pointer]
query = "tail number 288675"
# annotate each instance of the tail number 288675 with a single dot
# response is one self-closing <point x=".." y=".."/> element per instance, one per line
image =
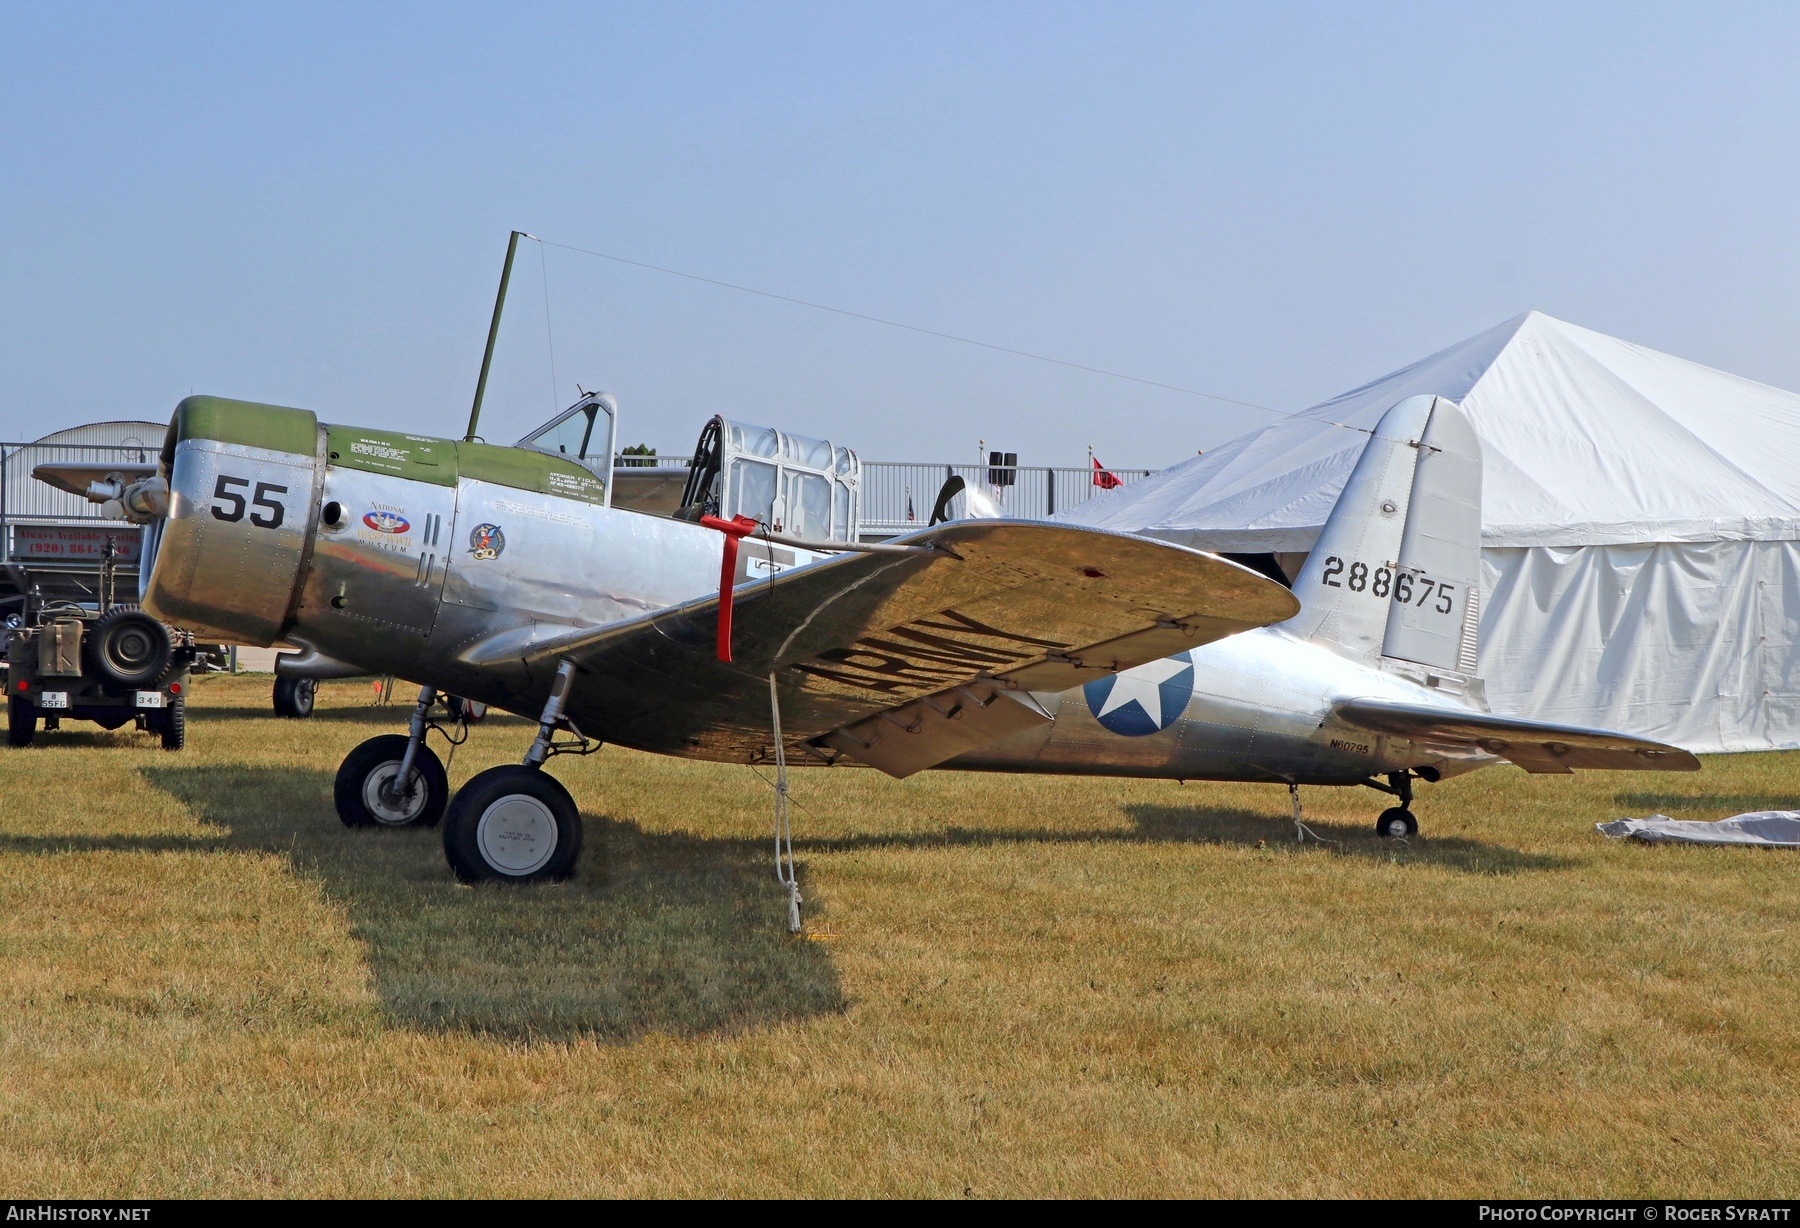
<point x="1406" y="588"/>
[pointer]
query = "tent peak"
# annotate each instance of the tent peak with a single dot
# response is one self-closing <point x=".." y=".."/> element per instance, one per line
<point x="1450" y="372"/>
<point x="1588" y="439"/>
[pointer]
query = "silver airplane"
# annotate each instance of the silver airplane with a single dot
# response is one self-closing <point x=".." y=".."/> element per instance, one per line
<point x="506" y="576"/>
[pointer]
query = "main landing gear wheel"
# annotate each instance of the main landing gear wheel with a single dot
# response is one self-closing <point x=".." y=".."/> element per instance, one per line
<point x="294" y="697"/>
<point x="512" y="824"/>
<point x="1396" y="823"/>
<point x="365" y="792"/>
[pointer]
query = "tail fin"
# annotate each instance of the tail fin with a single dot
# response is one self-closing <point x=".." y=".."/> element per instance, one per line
<point x="1397" y="569"/>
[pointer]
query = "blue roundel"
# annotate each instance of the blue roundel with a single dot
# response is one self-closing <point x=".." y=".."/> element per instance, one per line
<point x="1144" y="700"/>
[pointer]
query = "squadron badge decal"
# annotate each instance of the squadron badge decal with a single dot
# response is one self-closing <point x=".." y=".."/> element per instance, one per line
<point x="487" y="542"/>
<point x="1144" y="700"/>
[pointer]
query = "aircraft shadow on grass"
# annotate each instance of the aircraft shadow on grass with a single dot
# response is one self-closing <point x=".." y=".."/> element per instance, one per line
<point x="1219" y="826"/>
<point x="1214" y="825"/>
<point x="676" y="933"/>
<point x="658" y="933"/>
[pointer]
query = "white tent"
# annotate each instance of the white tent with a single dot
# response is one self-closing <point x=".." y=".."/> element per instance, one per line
<point x="1641" y="526"/>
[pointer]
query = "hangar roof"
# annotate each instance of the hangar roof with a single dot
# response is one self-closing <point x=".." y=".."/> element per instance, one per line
<point x="126" y="441"/>
<point x="121" y="432"/>
<point x="1586" y="440"/>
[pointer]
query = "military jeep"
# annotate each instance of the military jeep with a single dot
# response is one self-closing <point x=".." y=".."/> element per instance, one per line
<point x="114" y="668"/>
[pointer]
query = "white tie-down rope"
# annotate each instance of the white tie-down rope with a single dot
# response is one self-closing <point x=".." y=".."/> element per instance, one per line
<point x="784" y="839"/>
<point x="1301" y="830"/>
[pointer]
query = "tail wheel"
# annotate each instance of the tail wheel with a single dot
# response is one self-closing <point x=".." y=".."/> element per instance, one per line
<point x="512" y="824"/>
<point x="294" y="697"/>
<point x="173" y="725"/>
<point x="365" y="790"/>
<point x="21" y="721"/>
<point x="1396" y="823"/>
<point x="128" y="648"/>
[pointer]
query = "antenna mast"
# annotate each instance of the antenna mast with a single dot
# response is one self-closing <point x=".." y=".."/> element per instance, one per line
<point x="487" y="358"/>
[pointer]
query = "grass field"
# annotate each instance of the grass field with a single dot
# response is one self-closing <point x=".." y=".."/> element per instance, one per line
<point x="1011" y="986"/>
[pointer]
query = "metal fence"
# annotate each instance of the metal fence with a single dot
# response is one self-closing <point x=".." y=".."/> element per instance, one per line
<point x="44" y="525"/>
<point x="898" y="496"/>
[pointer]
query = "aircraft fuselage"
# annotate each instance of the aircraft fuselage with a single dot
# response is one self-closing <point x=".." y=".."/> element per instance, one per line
<point x="1253" y="707"/>
<point x="384" y="553"/>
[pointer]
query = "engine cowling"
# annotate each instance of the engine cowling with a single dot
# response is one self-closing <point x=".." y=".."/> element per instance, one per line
<point x="243" y="495"/>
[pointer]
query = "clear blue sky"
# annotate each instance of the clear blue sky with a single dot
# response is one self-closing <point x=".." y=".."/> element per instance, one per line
<point x="308" y="204"/>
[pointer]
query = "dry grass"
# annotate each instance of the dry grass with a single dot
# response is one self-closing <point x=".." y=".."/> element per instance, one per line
<point x="1032" y="986"/>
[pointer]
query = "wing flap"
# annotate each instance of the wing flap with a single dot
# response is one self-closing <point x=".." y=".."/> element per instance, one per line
<point x="934" y="728"/>
<point x="1536" y="746"/>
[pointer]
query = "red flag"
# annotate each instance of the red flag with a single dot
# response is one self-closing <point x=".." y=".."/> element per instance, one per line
<point x="1103" y="479"/>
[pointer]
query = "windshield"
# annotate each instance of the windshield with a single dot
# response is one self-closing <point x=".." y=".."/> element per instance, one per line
<point x="570" y="435"/>
<point x="582" y="433"/>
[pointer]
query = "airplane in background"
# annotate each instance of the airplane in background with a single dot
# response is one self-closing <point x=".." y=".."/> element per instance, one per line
<point x="505" y="575"/>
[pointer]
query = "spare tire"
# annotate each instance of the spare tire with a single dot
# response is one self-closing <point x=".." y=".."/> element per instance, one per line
<point x="128" y="648"/>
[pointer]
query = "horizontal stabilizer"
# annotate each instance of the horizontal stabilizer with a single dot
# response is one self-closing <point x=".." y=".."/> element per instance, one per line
<point x="1533" y="745"/>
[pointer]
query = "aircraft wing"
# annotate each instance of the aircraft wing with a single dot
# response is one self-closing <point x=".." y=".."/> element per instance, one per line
<point x="898" y="660"/>
<point x="1533" y="745"/>
<point x="75" y="476"/>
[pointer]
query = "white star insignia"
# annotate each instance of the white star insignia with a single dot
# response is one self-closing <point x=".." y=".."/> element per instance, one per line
<point x="1144" y="684"/>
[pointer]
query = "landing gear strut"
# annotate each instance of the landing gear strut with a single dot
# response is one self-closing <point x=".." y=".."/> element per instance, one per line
<point x="1396" y="822"/>
<point x="516" y="823"/>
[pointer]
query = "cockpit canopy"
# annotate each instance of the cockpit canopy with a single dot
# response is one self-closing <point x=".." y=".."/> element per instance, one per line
<point x="803" y="487"/>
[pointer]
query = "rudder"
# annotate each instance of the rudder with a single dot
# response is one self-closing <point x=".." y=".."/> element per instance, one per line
<point x="1441" y="548"/>
<point x="1396" y="571"/>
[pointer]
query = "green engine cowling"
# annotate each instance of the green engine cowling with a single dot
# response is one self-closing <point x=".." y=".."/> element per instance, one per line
<point x="244" y="484"/>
